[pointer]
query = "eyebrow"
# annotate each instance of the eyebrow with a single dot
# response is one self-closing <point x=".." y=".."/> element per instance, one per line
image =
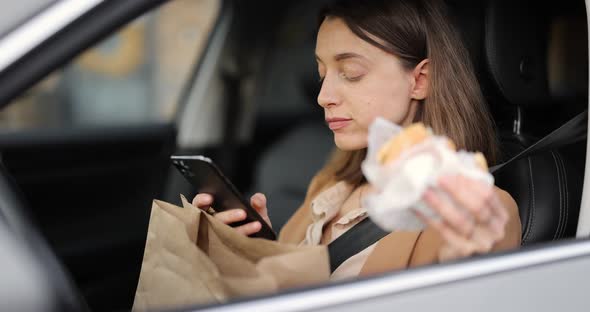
<point x="342" y="56"/>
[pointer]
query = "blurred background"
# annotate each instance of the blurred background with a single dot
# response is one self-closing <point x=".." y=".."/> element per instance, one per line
<point x="134" y="76"/>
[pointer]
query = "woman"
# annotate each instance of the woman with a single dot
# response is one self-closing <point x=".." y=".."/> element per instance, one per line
<point x="401" y="60"/>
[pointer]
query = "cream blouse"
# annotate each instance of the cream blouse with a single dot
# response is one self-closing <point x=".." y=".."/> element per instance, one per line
<point x="324" y="208"/>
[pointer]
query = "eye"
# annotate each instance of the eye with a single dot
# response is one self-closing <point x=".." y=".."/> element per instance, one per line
<point x="344" y="76"/>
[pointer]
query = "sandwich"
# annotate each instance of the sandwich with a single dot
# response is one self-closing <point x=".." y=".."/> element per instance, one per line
<point x="413" y="135"/>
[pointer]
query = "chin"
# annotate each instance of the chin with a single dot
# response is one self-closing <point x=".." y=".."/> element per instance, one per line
<point x="349" y="144"/>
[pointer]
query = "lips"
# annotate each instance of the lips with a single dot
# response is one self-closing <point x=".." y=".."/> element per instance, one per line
<point x="338" y="123"/>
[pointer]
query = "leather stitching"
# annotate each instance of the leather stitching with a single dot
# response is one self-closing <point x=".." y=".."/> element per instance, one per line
<point x="566" y="193"/>
<point x="561" y="200"/>
<point x="531" y="220"/>
<point x="563" y="189"/>
<point x="559" y="219"/>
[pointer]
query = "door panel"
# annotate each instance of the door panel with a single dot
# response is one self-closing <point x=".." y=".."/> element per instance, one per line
<point x="90" y="192"/>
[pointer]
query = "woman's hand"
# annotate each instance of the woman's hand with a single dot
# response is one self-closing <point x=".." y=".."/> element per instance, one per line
<point x="257" y="201"/>
<point x="472" y="217"/>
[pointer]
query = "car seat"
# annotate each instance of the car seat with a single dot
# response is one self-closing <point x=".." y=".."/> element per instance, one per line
<point x="528" y="52"/>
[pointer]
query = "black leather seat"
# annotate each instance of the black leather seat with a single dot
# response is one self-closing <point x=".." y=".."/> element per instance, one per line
<point x="522" y="64"/>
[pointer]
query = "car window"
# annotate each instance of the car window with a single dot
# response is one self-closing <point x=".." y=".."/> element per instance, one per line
<point x="133" y="76"/>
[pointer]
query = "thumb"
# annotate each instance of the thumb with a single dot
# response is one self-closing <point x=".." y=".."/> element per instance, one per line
<point x="258" y="202"/>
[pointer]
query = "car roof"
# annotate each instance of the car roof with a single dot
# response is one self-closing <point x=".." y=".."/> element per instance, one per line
<point x="15" y="13"/>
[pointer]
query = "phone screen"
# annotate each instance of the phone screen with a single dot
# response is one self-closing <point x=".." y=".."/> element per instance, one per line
<point x="206" y="177"/>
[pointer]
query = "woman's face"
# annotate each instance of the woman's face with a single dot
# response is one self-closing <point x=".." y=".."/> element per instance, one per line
<point x="360" y="82"/>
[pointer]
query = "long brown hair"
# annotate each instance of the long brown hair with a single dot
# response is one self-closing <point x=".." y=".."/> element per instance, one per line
<point x="414" y="30"/>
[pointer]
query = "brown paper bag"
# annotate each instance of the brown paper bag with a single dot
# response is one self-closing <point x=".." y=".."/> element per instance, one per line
<point x="192" y="258"/>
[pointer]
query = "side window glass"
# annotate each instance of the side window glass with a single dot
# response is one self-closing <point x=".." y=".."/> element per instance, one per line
<point x="134" y="76"/>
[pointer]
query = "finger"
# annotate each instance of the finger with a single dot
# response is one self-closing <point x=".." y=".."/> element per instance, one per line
<point x="258" y="202"/>
<point x="495" y="225"/>
<point x="483" y="238"/>
<point x="460" y="246"/>
<point x="499" y="209"/>
<point x="499" y="215"/>
<point x="490" y="196"/>
<point x="459" y="221"/>
<point x="203" y="200"/>
<point x="456" y="245"/>
<point x="249" y="228"/>
<point x="497" y="228"/>
<point x="470" y="194"/>
<point x="481" y="241"/>
<point x="447" y="253"/>
<point x="231" y="216"/>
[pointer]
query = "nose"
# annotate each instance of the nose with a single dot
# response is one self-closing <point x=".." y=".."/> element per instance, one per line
<point x="328" y="95"/>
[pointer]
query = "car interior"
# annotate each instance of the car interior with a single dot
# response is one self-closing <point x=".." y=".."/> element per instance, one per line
<point x="80" y="197"/>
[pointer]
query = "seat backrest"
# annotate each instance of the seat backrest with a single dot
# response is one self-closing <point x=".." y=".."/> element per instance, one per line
<point x="520" y="47"/>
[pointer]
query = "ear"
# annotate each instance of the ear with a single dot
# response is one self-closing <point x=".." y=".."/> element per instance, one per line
<point x="421" y="80"/>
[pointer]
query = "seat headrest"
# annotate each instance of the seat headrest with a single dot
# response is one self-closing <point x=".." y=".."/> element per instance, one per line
<point x="516" y="35"/>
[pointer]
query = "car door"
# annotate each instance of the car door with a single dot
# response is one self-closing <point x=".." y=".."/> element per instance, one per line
<point x="536" y="279"/>
<point x="89" y="145"/>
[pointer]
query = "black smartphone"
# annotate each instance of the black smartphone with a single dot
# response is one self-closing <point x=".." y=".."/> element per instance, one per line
<point x="206" y="177"/>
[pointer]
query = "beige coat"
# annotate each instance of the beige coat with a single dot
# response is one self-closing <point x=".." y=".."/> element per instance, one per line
<point x="398" y="250"/>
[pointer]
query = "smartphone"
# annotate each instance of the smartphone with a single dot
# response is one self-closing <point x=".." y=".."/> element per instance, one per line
<point x="206" y="177"/>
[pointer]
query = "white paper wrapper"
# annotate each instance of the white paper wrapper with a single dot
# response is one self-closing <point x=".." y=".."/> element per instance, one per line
<point x="399" y="185"/>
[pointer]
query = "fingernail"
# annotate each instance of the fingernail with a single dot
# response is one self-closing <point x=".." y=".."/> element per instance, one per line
<point x="240" y="213"/>
<point x="256" y="225"/>
<point x="203" y="200"/>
